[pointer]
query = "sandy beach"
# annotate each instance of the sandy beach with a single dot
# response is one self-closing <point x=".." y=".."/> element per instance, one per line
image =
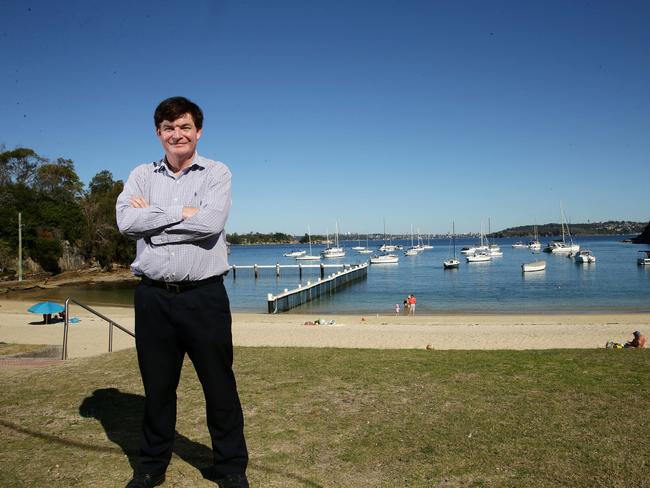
<point x="507" y="331"/>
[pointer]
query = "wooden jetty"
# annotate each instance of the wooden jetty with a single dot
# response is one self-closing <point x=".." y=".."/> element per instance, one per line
<point x="293" y="298"/>
<point x="277" y="267"/>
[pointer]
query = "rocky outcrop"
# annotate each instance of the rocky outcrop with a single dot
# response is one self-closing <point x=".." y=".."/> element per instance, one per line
<point x="71" y="259"/>
<point x="644" y="237"/>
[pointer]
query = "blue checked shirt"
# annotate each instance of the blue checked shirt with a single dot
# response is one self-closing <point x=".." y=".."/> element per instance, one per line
<point x="168" y="247"/>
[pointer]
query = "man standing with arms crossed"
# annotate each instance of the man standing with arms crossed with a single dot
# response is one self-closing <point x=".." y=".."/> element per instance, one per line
<point x="177" y="208"/>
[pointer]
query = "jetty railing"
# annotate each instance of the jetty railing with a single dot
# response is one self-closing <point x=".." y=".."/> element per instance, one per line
<point x="111" y="324"/>
<point x="277" y="267"/>
<point x="293" y="298"/>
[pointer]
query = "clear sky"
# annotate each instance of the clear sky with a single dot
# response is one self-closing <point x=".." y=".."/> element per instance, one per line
<point x="417" y="112"/>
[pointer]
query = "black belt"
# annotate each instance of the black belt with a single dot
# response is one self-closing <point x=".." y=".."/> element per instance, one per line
<point x="180" y="286"/>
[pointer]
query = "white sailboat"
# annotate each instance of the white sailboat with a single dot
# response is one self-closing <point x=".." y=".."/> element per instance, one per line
<point x="365" y="250"/>
<point x="452" y="262"/>
<point x="308" y="257"/>
<point x="388" y="247"/>
<point x="336" y="251"/>
<point x="481" y="252"/>
<point x="428" y="244"/>
<point x="535" y="245"/>
<point x="359" y="247"/>
<point x="563" y="247"/>
<point x="413" y="250"/>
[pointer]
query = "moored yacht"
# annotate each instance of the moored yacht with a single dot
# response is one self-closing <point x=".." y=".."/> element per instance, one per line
<point x="335" y="251"/>
<point x="452" y="262"/>
<point x="562" y="246"/>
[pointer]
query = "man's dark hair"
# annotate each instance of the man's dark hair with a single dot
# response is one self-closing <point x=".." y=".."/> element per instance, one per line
<point x="175" y="107"/>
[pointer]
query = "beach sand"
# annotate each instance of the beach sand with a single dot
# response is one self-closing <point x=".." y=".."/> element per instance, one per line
<point x="89" y="337"/>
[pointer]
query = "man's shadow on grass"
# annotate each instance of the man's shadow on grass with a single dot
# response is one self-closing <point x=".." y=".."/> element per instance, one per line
<point x="121" y="417"/>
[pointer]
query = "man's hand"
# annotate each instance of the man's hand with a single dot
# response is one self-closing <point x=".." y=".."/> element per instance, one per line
<point x="138" y="202"/>
<point x="189" y="212"/>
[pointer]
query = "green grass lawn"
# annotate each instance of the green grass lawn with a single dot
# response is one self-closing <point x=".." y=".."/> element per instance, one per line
<point x="349" y="418"/>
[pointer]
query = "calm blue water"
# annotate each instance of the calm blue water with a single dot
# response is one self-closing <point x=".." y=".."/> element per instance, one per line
<point x="613" y="283"/>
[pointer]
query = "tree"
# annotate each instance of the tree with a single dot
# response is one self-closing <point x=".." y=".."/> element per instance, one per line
<point x="104" y="240"/>
<point x="19" y="166"/>
<point x="6" y="256"/>
<point x="58" y="180"/>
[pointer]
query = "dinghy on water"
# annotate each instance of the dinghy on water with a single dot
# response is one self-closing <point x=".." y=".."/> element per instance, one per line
<point x="534" y="266"/>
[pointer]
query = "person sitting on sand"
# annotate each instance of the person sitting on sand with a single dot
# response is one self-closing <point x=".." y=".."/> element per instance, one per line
<point x="638" y="341"/>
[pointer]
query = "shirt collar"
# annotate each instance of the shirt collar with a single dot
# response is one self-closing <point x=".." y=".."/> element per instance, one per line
<point x="161" y="167"/>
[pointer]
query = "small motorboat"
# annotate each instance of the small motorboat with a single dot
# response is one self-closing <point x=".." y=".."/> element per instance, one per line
<point x="294" y="254"/>
<point x="585" y="256"/>
<point x="519" y="245"/>
<point x="308" y="257"/>
<point x="644" y="261"/>
<point x="534" y="266"/>
<point x="385" y="259"/>
<point x="479" y="257"/>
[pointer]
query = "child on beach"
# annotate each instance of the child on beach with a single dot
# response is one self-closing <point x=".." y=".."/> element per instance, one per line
<point x="397" y="309"/>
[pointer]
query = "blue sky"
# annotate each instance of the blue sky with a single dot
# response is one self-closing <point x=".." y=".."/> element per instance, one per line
<point x="417" y="112"/>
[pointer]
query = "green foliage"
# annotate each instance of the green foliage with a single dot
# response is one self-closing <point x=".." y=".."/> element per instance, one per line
<point x="47" y="194"/>
<point x="58" y="180"/>
<point x="6" y="256"/>
<point x="258" y="238"/>
<point x="47" y="251"/>
<point x="19" y="166"/>
<point x="315" y="238"/>
<point x="103" y="240"/>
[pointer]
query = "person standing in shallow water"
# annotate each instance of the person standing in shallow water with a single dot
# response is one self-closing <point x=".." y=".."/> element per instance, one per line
<point x="177" y="209"/>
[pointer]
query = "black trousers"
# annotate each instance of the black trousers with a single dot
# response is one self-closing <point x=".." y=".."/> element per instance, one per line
<point x="168" y="325"/>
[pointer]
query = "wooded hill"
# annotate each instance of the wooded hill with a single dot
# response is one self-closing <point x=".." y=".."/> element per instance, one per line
<point x="611" y="227"/>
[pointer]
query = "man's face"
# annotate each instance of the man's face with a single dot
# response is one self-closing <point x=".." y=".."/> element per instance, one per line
<point x="179" y="137"/>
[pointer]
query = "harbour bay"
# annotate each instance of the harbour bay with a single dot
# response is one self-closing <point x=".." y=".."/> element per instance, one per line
<point x="613" y="283"/>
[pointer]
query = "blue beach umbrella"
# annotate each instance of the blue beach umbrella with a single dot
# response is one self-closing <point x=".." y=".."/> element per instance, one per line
<point x="46" y="307"/>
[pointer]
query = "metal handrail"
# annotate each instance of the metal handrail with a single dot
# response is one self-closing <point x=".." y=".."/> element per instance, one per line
<point x="111" y="323"/>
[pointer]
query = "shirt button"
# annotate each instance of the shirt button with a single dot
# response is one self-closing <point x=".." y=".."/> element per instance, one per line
<point x="172" y="254"/>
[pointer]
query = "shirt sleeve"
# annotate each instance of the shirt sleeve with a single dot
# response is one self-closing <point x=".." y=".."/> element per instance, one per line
<point x="211" y="218"/>
<point x="142" y="222"/>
